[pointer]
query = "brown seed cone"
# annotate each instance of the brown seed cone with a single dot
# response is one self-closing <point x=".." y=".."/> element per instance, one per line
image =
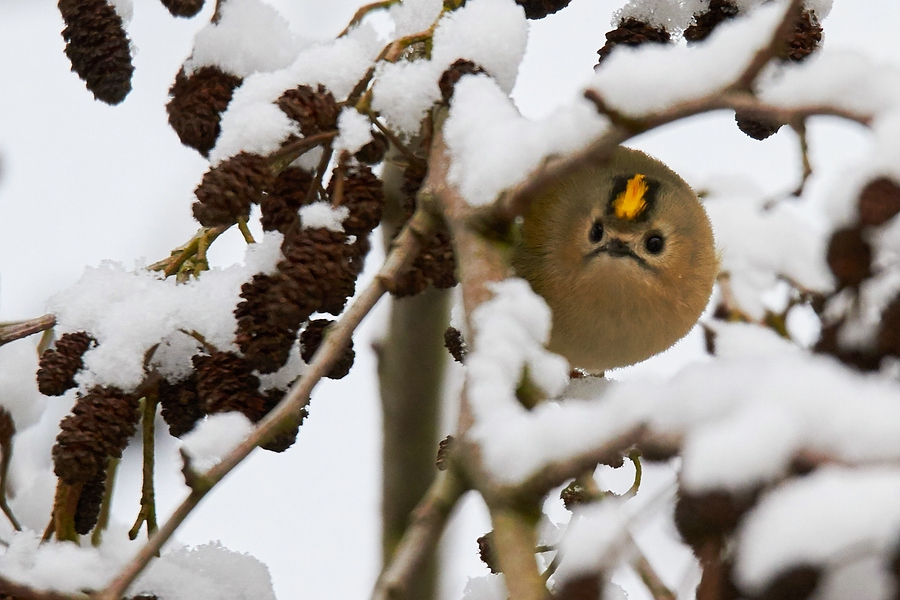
<point x="455" y="344"/>
<point x="711" y="515"/>
<point x="705" y="22"/>
<point x="861" y="359"/>
<point x="454" y="73"/>
<point x="849" y="257"/>
<point x="435" y="264"/>
<point x="373" y="152"/>
<point x="87" y="511"/>
<point x="98" y="48"/>
<point x="225" y="383"/>
<point x="196" y="104"/>
<point x="286" y="438"/>
<point x="538" y="9"/>
<point x="311" y="339"/>
<point x="486" y="552"/>
<point x="632" y="32"/>
<point x="183" y="8"/>
<point x="879" y="202"/>
<point x="363" y="195"/>
<point x="755" y="127"/>
<point x="413" y="176"/>
<point x="180" y="405"/>
<point x="574" y="494"/>
<point x="314" y="110"/>
<point x="59" y="365"/>
<point x="289" y="193"/>
<point x="797" y="583"/>
<point x="804" y="38"/>
<point x="268" y="322"/>
<point x="321" y="268"/>
<point x="889" y="334"/>
<point x="228" y="189"/>
<point x="101" y="423"/>
<point x="587" y="586"/>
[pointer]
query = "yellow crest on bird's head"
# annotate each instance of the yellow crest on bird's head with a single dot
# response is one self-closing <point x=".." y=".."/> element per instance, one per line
<point x="631" y="202"/>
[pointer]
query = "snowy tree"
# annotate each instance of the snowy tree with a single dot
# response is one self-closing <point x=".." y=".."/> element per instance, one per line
<point x="397" y="158"/>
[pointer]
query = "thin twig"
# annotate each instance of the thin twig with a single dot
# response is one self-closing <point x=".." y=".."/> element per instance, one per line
<point x="363" y="11"/>
<point x="399" y="145"/>
<point x="281" y="158"/>
<point x="777" y="41"/>
<point x="106" y="504"/>
<point x="171" y="265"/>
<point x="289" y="410"/>
<point x="10" y="332"/>
<point x="147" y="512"/>
<point x="426" y="524"/>
<point x="9" y="430"/>
<point x="800" y="128"/>
<point x="11" y="589"/>
<point x="650" y="577"/>
<point x="245" y="231"/>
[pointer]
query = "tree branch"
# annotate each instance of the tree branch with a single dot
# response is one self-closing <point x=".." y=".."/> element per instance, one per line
<point x="10" y="332"/>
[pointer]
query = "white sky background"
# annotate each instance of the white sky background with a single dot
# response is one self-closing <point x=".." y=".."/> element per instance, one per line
<point x="81" y="182"/>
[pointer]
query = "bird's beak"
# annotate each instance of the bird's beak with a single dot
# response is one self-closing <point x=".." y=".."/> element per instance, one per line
<point x="616" y="247"/>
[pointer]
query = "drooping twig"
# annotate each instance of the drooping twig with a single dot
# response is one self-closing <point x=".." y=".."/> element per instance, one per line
<point x="290" y="409"/>
<point x="764" y="55"/>
<point x="106" y="504"/>
<point x="7" y="431"/>
<point x="10" y="332"/>
<point x="194" y="247"/>
<point x="365" y="10"/>
<point x="147" y="512"/>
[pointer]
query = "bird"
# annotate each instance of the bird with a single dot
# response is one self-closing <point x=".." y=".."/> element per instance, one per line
<point x="623" y="253"/>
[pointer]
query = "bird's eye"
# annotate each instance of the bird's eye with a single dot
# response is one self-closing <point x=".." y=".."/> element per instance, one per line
<point x="654" y="243"/>
<point x="596" y="233"/>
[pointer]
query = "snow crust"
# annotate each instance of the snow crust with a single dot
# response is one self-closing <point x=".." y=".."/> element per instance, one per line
<point x="491" y="33"/>
<point x="250" y="37"/>
<point x="493" y="147"/>
<point x="324" y="215"/>
<point x="128" y="312"/>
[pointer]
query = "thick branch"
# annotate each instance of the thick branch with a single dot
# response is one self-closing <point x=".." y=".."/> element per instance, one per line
<point x="289" y="410"/>
<point x="421" y="536"/>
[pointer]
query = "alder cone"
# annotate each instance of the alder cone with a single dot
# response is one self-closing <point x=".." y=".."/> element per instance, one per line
<point x="98" y="48"/>
<point x="756" y="127"/>
<point x="101" y="423"/>
<point x="804" y="39"/>
<point x="290" y="191"/>
<point x="879" y="202"/>
<point x="183" y="8"/>
<point x="285" y="438"/>
<point x="538" y="9"/>
<point x="711" y="515"/>
<point x="796" y="583"/>
<point x="314" y="110"/>
<point x="180" y="405"/>
<point x="311" y="339"/>
<point x="363" y="195"/>
<point x="196" y="104"/>
<point x="373" y="152"/>
<point x="87" y="511"/>
<point x="705" y="22"/>
<point x="59" y="365"/>
<point x="849" y="257"/>
<point x="228" y="189"/>
<point x="226" y="383"/>
<point x="268" y="321"/>
<point x="582" y="587"/>
<point x="632" y="32"/>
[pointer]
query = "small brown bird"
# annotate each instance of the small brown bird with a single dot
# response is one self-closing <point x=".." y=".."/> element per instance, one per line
<point x="623" y="253"/>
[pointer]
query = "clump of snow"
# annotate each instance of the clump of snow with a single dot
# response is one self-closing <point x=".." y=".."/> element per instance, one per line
<point x="323" y="214"/>
<point x="128" y="312"/>
<point x="595" y="539"/>
<point x="491" y="33"/>
<point x="287" y="374"/>
<point x="833" y="515"/>
<point x="63" y="566"/>
<point x="493" y="147"/>
<point x="355" y="131"/>
<point x="413" y="16"/>
<point x="214" y="437"/>
<point x="759" y="245"/>
<point x="253" y="123"/>
<point x="250" y="37"/>
<point x="672" y="74"/>
<point x="207" y="572"/>
<point x="488" y="587"/>
<point x="510" y="332"/>
<point x="665" y="14"/>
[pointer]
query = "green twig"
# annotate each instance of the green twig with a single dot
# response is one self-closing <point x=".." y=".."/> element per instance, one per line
<point x="147" y="513"/>
<point x="103" y="519"/>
